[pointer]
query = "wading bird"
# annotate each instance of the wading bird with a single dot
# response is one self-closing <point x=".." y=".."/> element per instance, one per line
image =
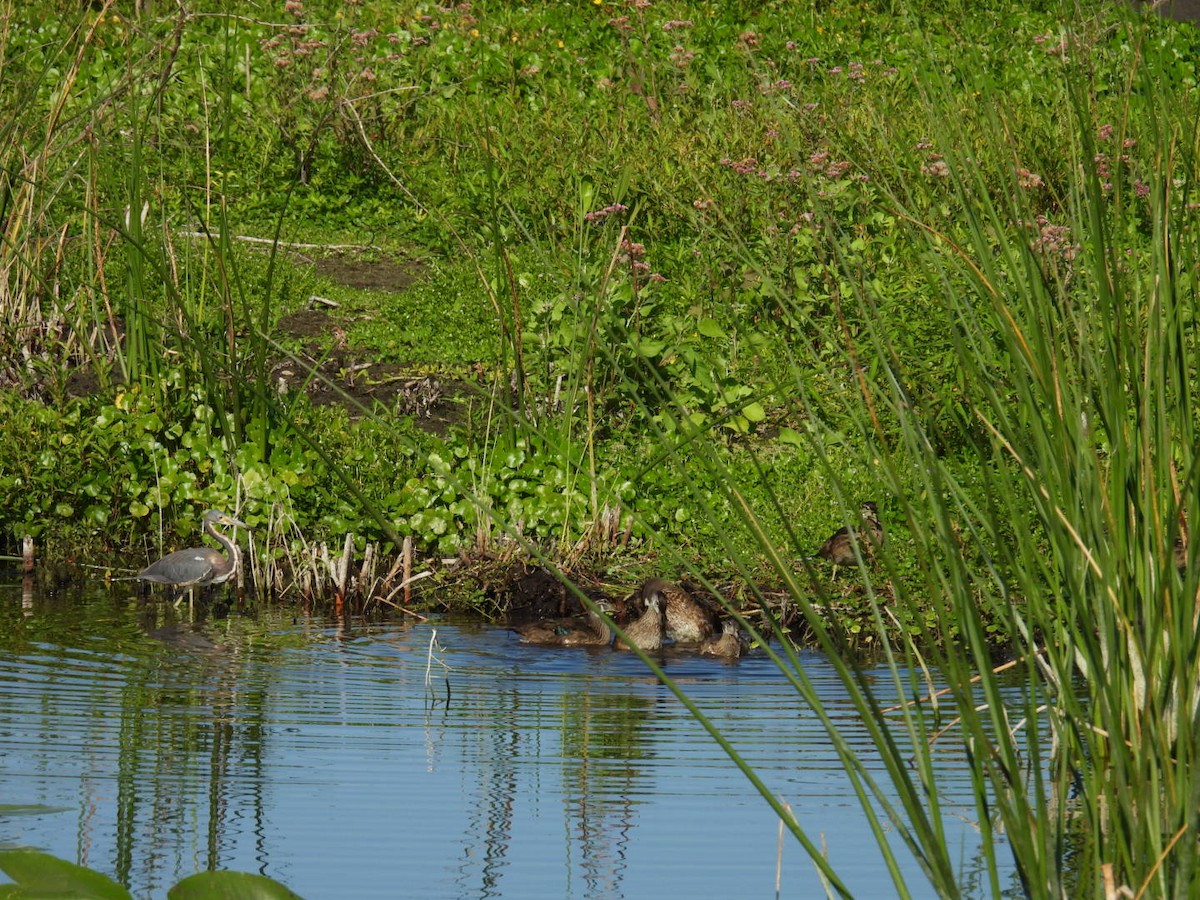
<point x="198" y="567"/>
<point x="839" y="549"/>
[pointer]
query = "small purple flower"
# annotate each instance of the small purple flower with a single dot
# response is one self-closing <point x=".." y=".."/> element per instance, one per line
<point x="1028" y="179"/>
<point x="599" y="214"/>
<point x="837" y="169"/>
<point x="936" y="167"/>
<point x="680" y="56"/>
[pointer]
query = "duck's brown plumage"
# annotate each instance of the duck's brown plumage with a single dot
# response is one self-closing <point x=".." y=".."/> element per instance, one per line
<point x="594" y="632"/>
<point x="646" y="631"/>
<point x="689" y="620"/>
<point x="839" y="548"/>
<point x="728" y="645"/>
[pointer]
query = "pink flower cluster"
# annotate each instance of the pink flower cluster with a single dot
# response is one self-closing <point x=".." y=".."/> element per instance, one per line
<point x="772" y="87"/>
<point x="832" y="169"/>
<point x="747" y="166"/>
<point x="1104" y="162"/>
<point x="680" y="56"/>
<point x="597" y="215"/>
<point x="1050" y="45"/>
<point x="633" y="255"/>
<point x="936" y="166"/>
<point x="1052" y="239"/>
<point x="1028" y="180"/>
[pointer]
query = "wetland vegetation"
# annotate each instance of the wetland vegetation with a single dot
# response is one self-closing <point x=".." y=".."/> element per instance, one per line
<point x="621" y="289"/>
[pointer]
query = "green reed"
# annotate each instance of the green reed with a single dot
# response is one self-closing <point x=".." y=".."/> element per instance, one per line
<point x="1050" y="533"/>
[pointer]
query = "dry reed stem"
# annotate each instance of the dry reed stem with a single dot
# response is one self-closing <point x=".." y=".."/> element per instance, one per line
<point x="406" y="558"/>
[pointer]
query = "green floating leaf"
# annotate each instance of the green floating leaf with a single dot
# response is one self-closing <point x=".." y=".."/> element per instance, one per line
<point x="30" y="809"/>
<point x="41" y="875"/>
<point x="230" y="886"/>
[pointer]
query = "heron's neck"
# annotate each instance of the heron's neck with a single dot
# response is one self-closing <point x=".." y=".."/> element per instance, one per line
<point x="235" y="555"/>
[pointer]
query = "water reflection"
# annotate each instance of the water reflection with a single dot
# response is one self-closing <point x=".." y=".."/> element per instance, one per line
<point x="152" y="745"/>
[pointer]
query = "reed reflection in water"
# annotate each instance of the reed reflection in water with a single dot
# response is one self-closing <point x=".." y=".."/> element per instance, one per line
<point x="318" y="755"/>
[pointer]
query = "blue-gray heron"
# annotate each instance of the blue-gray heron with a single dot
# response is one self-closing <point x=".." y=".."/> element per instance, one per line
<point x="198" y="566"/>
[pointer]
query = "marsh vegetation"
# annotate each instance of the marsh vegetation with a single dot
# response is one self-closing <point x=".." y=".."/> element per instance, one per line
<point x="668" y="289"/>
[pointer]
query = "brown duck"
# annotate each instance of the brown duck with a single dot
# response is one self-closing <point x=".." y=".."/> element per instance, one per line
<point x="646" y="631"/>
<point x="839" y="549"/>
<point x="592" y="633"/>
<point x="728" y="645"/>
<point x="689" y="620"/>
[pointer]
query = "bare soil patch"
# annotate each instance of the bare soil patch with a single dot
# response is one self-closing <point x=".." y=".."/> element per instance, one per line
<point x="388" y="275"/>
<point x="332" y="372"/>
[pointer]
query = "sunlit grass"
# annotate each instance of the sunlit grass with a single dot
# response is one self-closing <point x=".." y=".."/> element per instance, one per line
<point x="1067" y="303"/>
<point x="727" y="275"/>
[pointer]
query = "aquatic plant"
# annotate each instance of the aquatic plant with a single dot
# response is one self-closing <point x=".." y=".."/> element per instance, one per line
<point x="954" y="275"/>
<point x="37" y="874"/>
<point x="1059" y="531"/>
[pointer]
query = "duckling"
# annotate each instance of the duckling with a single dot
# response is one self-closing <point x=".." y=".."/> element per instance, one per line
<point x="839" y="548"/>
<point x="645" y="632"/>
<point x="727" y="646"/>
<point x="595" y="632"/>
<point x="688" y="619"/>
<point x="1181" y="553"/>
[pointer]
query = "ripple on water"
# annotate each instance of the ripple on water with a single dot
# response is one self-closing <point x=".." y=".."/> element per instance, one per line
<point x="327" y="759"/>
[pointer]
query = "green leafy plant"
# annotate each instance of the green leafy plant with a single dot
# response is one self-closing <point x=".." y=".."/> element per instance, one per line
<point x="37" y="874"/>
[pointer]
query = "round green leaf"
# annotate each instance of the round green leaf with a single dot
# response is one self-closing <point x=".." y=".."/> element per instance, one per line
<point x="41" y="874"/>
<point x="230" y="886"/>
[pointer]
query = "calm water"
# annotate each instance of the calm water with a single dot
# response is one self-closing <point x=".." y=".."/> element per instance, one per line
<point x="320" y="755"/>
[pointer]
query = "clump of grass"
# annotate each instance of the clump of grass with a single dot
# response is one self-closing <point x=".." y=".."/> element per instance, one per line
<point x="1067" y="303"/>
